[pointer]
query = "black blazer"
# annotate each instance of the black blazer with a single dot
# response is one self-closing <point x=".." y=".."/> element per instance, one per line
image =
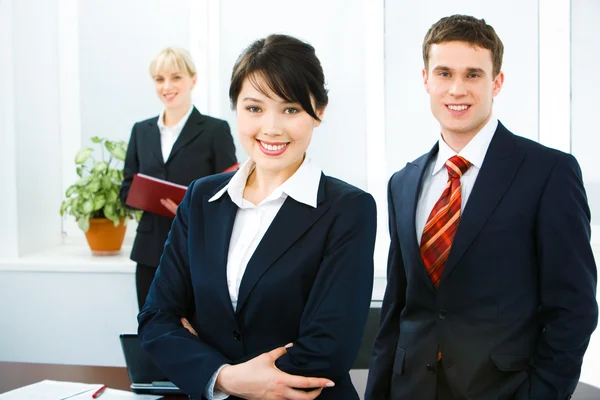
<point x="204" y="147"/>
<point x="309" y="282"/>
<point x="516" y="304"/>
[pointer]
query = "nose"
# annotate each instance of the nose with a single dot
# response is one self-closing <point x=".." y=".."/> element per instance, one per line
<point x="167" y="84"/>
<point x="458" y="88"/>
<point x="273" y="124"/>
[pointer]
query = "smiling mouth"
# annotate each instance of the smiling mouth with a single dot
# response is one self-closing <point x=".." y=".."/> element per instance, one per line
<point x="273" y="147"/>
<point x="170" y="96"/>
<point x="458" y="107"/>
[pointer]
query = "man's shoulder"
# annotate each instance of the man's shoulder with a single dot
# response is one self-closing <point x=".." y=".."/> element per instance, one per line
<point x="539" y="152"/>
<point x="418" y="162"/>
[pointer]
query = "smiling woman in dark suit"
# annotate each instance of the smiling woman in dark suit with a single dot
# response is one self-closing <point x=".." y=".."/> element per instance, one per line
<point x="277" y="253"/>
<point x="179" y="145"/>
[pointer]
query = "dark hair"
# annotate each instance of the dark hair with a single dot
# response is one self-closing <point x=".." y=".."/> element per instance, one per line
<point x="289" y="67"/>
<point x="465" y="28"/>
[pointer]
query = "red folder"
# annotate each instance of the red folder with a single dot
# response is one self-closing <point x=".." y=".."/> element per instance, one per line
<point x="146" y="191"/>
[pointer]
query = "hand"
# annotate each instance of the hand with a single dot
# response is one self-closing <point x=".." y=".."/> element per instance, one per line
<point x="186" y="324"/>
<point x="260" y="379"/>
<point x="169" y="205"/>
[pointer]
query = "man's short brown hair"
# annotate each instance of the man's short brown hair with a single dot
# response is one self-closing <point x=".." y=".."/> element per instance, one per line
<point x="464" y="28"/>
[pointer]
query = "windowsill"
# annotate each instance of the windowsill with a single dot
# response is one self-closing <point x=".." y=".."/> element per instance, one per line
<point x="73" y="255"/>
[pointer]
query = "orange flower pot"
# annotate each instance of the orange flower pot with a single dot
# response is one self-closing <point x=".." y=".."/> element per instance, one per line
<point x="104" y="238"/>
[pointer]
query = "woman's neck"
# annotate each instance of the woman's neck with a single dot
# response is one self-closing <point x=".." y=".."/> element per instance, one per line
<point x="173" y="116"/>
<point x="261" y="183"/>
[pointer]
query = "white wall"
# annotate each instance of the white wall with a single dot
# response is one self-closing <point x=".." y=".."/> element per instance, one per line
<point x="8" y="201"/>
<point x="31" y="169"/>
<point x="116" y="45"/>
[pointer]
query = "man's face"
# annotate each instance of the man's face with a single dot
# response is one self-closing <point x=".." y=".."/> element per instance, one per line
<point x="461" y="86"/>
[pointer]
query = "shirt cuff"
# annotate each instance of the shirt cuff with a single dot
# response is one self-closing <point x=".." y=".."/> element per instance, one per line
<point x="209" y="390"/>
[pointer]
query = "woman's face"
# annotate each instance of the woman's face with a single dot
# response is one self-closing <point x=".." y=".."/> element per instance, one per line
<point x="174" y="89"/>
<point x="274" y="133"/>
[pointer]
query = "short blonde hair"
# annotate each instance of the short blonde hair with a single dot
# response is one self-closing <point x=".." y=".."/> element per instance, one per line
<point x="172" y="59"/>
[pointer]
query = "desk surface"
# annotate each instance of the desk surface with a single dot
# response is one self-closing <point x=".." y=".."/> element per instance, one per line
<point x="15" y="375"/>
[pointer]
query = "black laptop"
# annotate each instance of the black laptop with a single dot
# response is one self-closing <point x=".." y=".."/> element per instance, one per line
<point x="145" y="376"/>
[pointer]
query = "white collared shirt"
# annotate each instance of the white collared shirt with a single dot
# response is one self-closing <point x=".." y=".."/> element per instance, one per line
<point x="251" y="224"/>
<point x="252" y="221"/>
<point x="169" y="134"/>
<point x="436" y="175"/>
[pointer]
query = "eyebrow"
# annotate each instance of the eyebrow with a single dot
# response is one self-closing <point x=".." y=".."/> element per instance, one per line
<point x="471" y="70"/>
<point x="285" y="102"/>
<point x="252" y="99"/>
<point x="162" y="75"/>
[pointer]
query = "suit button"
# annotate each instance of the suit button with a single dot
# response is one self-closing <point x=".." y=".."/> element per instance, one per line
<point x="442" y="314"/>
<point x="430" y="368"/>
<point x="237" y="335"/>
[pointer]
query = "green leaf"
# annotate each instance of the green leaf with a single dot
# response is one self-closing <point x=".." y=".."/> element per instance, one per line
<point x="87" y="207"/>
<point x="114" y="175"/>
<point x="84" y="224"/>
<point x="112" y="196"/>
<point x="63" y="207"/>
<point x="119" y="153"/>
<point x="71" y="189"/>
<point x="99" y="202"/>
<point x="100" y="166"/>
<point x="80" y="171"/>
<point x="96" y="139"/>
<point x="93" y="186"/>
<point x="83" y="181"/>
<point x="83" y="155"/>
<point x="106" y="182"/>
<point x="109" y="211"/>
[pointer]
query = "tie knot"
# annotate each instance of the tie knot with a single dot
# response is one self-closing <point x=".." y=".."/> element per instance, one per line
<point x="457" y="166"/>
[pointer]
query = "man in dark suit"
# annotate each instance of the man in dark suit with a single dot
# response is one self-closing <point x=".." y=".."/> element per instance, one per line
<point x="491" y="290"/>
<point x="204" y="147"/>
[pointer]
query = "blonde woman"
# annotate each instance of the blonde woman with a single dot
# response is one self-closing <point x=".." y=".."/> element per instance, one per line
<point x="179" y="145"/>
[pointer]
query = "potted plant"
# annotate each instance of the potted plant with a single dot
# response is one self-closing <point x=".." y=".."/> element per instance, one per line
<point x="94" y="199"/>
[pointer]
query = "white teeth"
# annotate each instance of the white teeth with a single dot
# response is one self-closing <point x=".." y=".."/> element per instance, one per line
<point x="271" y="147"/>
<point x="458" y="108"/>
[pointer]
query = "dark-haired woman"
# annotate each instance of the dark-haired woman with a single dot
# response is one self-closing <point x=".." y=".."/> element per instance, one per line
<point x="265" y="282"/>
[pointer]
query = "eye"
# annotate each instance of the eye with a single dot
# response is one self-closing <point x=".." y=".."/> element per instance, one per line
<point x="291" y="110"/>
<point x="253" y="109"/>
<point x="444" y="74"/>
<point x="177" y="77"/>
<point x="473" y="75"/>
<point x="159" y="79"/>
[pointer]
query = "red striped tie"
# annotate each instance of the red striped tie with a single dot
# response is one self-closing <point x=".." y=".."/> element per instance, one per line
<point x="442" y="223"/>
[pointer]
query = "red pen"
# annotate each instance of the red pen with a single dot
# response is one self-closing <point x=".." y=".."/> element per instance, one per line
<point x="99" y="392"/>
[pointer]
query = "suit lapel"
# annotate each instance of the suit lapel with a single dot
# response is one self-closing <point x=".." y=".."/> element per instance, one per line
<point x="192" y="128"/>
<point x="497" y="172"/>
<point x="219" y="216"/>
<point x="411" y="188"/>
<point x="154" y="141"/>
<point x="292" y="220"/>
